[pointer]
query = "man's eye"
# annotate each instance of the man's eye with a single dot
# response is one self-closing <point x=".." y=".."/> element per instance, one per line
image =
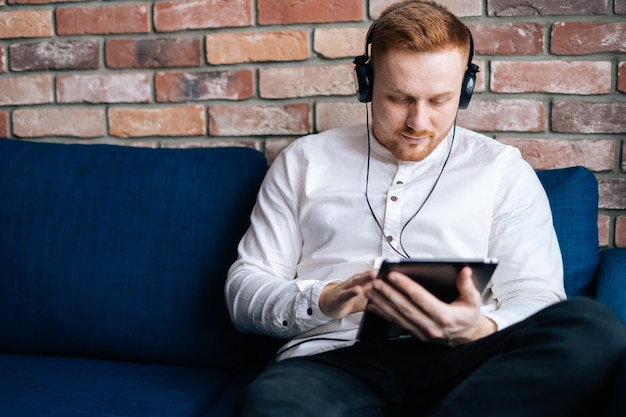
<point x="400" y="99"/>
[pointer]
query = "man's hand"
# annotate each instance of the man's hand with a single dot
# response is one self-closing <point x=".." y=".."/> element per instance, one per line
<point x="409" y="305"/>
<point x="340" y="298"/>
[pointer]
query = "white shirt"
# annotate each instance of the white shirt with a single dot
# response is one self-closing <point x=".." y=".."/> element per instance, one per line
<point x="311" y="225"/>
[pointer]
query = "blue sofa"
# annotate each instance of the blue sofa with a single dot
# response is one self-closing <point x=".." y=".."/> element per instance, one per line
<point x="112" y="263"/>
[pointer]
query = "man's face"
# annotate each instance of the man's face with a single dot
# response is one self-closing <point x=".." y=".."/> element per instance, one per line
<point x="415" y="100"/>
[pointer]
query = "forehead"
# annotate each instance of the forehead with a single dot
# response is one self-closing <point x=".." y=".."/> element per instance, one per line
<point x="408" y="69"/>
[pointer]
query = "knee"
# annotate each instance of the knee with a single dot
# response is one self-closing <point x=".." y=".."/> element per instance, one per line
<point x="261" y="399"/>
<point x="307" y="387"/>
<point x="252" y="401"/>
<point x="291" y="388"/>
<point x="589" y="327"/>
<point x="589" y="312"/>
<point x="271" y="394"/>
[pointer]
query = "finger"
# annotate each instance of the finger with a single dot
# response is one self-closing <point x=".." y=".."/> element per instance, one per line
<point x="345" y="294"/>
<point x="398" y="320"/>
<point x="364" y="278"/>
<point x="415" y="292"/>
<point x="382" y="306"/>
<point x="400" y="308"/>
<point x="467" y="289"/>
<point x="354" y="287"/>
<point x="358" y="280"/>
<point x="432" y="315"/>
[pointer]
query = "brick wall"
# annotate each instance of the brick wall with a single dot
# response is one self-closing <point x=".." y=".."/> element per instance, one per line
<point x="263" y="72"/>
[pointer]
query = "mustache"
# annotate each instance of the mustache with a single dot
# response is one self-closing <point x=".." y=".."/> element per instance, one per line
<point x="417" y="134"/>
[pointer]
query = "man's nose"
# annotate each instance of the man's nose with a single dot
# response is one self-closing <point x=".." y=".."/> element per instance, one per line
<point x="417" y="118"/>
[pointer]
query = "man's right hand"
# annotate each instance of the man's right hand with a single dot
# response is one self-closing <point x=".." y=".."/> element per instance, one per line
<point x="340" y="298"/>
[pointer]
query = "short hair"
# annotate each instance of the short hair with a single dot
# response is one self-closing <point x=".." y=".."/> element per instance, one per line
<point x="420" y="26"/>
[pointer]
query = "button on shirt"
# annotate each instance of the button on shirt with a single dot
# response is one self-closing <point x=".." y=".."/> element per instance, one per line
<point x="312" y="225"/>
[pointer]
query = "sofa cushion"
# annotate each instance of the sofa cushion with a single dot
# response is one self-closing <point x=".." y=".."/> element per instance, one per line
<point x="611" y="282"/>
<point x="121" y="253"/>
<point x="573" y="195"/>
<point x="57" y="386"/>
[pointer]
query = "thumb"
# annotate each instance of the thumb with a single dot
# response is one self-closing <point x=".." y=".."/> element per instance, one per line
<point x="465" y="284"/>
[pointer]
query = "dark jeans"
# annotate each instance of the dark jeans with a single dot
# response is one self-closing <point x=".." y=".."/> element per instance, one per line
<point x="558" y="362"/>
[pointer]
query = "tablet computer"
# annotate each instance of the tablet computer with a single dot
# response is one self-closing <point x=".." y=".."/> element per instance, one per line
<point x="436" y="275"/>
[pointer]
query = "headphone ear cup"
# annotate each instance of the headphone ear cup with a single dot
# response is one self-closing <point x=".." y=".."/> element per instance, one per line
<point x="363" y="73"/>
<point x="467" y="89"/>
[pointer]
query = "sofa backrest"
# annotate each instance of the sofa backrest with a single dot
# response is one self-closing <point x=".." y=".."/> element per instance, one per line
<point x="573" y="195"/>
<point x="120" y="252"/>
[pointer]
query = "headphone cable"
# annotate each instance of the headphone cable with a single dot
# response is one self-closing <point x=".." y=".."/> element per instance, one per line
<point x="402" y="252"/>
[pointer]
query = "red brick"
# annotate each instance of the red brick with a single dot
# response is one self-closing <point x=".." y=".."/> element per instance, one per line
<point x="309" y="11"/>
<point x="104" y="88"/>
<point x="26" y="24"/>
<point x="612" y="193"/>
<point x="480" y="77"/>
<point x="39" y="1"/>
<point x="603" y="230"/>
<point x="230" y="48"/>
<point x="55" y="55"/>
<point x="274" y="147"/>
<point x="173" y="16"/>
<point x="588" y="117"/>
<point x="508" y="38"/>
<point x="582" y="38"/>
<point x="621" y="77"/>
<point x="153" y="53"/>
<point x="4" y="124"/>
<point x="253" y="120"/>
<point x="545" y="7"/>
<point x="597" y="155"/>
<point x="339" y="42"/>
<point x="211" y="85"/>
<point x="162" y="121"/>
<point x="504" y="115"/>
<point x="58" y="121"/>
<point x="329" y="115"/>
<point x="458" y="7"/>
<point x="32" y="89"/>
<point x="124" y="18"/>
<point x="582" y="77"/>
<point x="308" y="81"/>
<point x="620" y="232"/>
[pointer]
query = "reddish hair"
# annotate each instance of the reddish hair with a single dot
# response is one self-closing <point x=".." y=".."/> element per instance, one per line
<point x="420" y="26"/>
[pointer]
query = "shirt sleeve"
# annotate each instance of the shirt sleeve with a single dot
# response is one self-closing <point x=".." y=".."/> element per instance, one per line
<point x="530" y="274"/>
<point x="261" y="291"/>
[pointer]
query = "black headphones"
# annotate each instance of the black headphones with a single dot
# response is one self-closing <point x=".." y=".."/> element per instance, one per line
<point x="365" y="79"/>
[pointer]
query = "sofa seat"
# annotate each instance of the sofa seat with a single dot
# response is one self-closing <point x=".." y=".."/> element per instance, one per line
<point x="38" y="385"/>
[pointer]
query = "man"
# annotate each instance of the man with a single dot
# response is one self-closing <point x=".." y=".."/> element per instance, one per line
<point x="415" y="185"/>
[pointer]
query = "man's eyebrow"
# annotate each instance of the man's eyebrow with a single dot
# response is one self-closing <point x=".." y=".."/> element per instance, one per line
<point x="441" y="95"/>
<point x="444" y="94"/>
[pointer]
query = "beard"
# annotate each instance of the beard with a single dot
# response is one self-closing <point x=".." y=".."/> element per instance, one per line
<point x="395" y="143"/>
